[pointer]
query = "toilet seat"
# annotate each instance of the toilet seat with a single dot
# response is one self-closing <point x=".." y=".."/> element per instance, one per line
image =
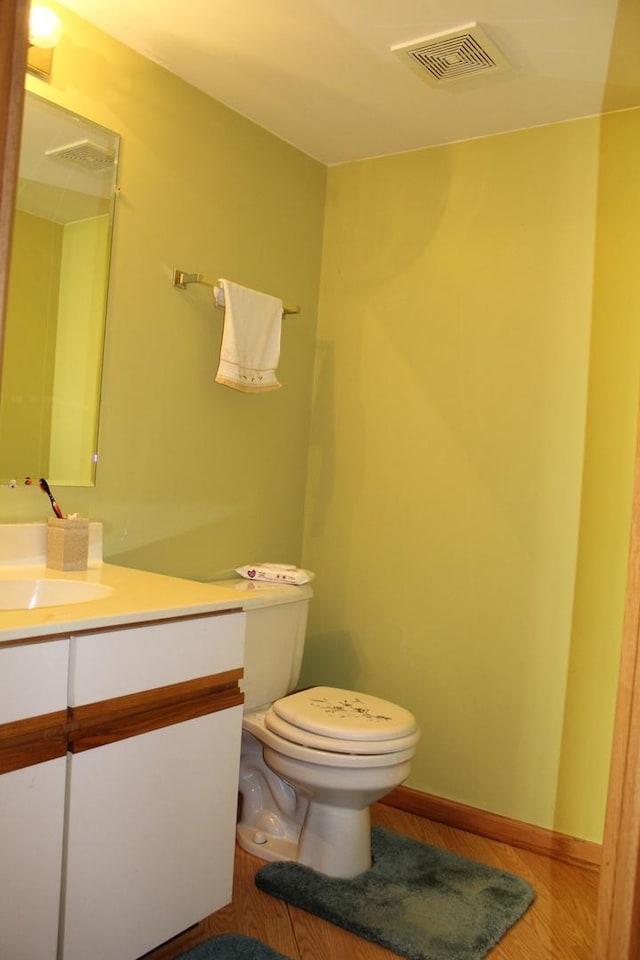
<point x="254" y="723"/>
<point x="342" y="721"/>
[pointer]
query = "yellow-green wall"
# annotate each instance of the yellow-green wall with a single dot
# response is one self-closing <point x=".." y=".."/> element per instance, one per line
<point x="607" y="483"/>
<point x="79" y="341"/>
<point x="29" y="348"/>
<point x="193" y="478"/>
<point x="465" y="354"/>
<point x="447" y="449"/>
<point x="53" y="348"/>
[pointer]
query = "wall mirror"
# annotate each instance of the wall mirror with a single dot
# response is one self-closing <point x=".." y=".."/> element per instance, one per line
<point x="57" y="297"/>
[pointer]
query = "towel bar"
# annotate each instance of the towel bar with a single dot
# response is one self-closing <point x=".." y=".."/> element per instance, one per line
<point x="181" y="279"/>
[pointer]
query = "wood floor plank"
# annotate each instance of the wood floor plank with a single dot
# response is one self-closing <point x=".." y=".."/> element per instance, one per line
<point x="332" y="943"/>
<point x="558" y="926"/>
<point x="254" y="913"/>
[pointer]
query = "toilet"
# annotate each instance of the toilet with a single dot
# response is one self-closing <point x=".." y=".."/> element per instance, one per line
<point x="312" y="762"/>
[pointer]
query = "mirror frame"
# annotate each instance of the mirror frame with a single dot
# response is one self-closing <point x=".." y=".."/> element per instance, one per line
<point x="618" y="918"/>
<point x="14" y="29"/>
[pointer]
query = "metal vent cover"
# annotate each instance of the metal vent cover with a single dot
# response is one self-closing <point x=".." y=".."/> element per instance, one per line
<point x="453" y="55"/>
<point x="84" y="153"/>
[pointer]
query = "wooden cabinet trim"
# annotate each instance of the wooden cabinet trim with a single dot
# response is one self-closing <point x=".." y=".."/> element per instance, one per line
<point x="33" y="740"/>
<point x="97" y="724"/>
<point x="46" y="737"/>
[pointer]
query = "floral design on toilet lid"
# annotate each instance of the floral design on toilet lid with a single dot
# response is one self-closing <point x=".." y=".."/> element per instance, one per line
<point x="353" y="706"/>
<point x="344" y="714"/>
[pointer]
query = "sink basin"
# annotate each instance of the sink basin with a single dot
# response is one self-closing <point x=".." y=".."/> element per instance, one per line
<point x="30" y="594"/>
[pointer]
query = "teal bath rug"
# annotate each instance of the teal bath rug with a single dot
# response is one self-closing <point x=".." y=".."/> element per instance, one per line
<point x="232" y="946"/>
<point x="421" y="902"/>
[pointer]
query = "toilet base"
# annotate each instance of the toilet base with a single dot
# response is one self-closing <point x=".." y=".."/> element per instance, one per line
<point x="265" y="846"/>
<point x="333" y="841"/>
<point x="336" y="841"/>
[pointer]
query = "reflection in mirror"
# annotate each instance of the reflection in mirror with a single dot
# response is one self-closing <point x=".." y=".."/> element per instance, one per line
<point x="58" y="280"/>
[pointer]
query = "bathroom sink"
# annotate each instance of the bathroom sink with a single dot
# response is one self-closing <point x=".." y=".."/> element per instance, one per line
<point x="29" y="594"/>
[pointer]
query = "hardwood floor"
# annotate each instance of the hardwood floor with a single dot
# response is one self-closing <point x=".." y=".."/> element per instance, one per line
<point x="559" y="925"/>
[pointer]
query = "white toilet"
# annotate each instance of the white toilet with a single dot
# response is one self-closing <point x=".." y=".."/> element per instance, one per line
<point x="312" y="762"/>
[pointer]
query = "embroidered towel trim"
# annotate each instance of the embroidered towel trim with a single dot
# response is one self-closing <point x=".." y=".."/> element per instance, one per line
<point x="250" y="348"/>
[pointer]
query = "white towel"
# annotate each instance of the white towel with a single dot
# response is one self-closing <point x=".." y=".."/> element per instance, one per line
<point x="250" y="340"/>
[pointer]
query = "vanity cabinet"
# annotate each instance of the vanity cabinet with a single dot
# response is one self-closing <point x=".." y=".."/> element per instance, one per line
<point x="119" y="754"/>
<point x="33" y="704"/>
<point x="154" y="732"/>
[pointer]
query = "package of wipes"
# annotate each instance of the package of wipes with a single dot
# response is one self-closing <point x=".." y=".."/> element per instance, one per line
<point x="275" y="573"/>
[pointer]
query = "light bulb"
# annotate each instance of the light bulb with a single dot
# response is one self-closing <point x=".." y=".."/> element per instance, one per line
<point x="45" y="28"/>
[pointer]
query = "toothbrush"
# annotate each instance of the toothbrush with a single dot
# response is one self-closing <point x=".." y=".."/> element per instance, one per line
<point x="44" y="486"/>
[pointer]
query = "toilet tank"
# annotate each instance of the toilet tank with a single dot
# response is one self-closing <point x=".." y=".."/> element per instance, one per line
<point x="274" y="642"/>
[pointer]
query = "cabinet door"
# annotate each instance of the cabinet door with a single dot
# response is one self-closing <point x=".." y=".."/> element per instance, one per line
<point x="127" y="660"/>
<point x="33" y="679"/>
<point x="31" y="819"/>
<point x="150" y="836"/>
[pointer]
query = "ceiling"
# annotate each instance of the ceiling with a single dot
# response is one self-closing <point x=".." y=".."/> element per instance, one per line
<point x="321" y="74"/>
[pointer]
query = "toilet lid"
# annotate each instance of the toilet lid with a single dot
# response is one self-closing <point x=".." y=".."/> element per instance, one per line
<point x="342" y="720"/>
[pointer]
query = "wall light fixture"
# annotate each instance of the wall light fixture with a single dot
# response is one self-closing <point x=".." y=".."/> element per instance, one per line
<point x="45" y="30"/>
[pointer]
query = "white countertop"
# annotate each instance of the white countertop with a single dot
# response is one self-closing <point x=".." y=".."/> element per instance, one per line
<point x="137" y="596"/>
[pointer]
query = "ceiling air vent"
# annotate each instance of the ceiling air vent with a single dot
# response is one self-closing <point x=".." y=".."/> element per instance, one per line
<point x="453" y="55"/>
<point x="84" y="153"/>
